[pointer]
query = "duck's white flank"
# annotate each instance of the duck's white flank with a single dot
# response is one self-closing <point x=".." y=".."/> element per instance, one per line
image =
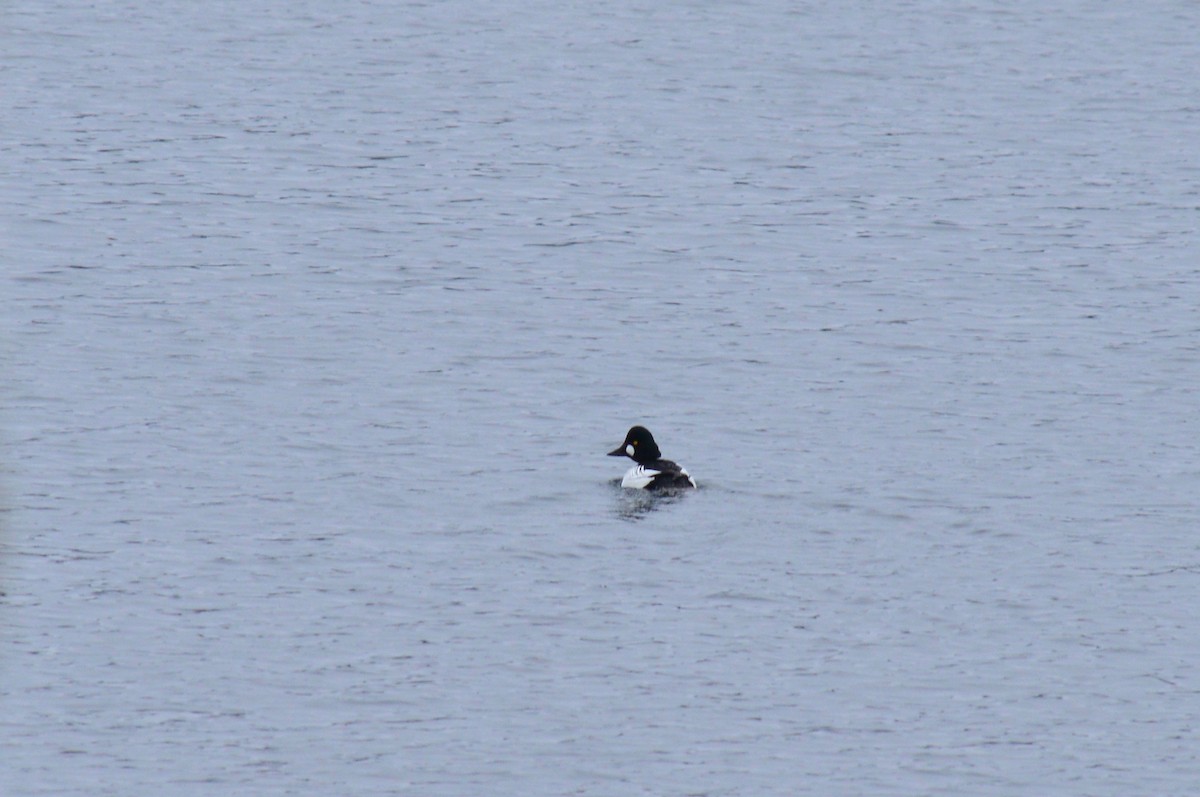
<point x="639" y="476"/>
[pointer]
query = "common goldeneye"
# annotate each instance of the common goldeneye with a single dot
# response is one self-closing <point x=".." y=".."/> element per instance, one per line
<point x="651" y="472"/>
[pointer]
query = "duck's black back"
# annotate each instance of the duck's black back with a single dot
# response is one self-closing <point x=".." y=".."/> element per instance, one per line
<point x="670" y="476"/>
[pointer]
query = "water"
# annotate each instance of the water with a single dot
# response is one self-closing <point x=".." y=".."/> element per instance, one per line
<point x="318" y="320"/>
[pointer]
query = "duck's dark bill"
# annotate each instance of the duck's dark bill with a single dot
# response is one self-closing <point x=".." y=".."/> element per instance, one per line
<point x="619" y="451"/>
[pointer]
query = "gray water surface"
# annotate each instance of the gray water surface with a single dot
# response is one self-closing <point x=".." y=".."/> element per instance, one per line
<point x="318" y="319"/>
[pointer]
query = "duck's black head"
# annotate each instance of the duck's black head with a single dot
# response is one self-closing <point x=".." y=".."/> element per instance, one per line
<point x="639" y="446"/>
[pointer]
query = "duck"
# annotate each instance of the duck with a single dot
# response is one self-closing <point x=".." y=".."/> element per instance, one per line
<point x="651" y="471"/>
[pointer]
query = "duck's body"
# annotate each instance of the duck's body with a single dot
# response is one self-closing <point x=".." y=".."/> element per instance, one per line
<point x="651" y="472"/>
<point x="662" y="474"/>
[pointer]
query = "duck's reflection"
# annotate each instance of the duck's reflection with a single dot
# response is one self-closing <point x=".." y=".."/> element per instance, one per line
<point x="633" y="505"/>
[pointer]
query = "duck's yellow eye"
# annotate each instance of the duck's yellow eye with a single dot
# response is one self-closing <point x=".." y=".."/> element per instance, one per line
<point x="634" y="444"/>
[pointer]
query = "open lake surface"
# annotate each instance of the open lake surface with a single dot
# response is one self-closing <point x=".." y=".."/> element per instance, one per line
<point x="317" y="320"/>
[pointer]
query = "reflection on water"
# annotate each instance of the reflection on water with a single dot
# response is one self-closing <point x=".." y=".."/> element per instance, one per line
<point x="633" y="505"/>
